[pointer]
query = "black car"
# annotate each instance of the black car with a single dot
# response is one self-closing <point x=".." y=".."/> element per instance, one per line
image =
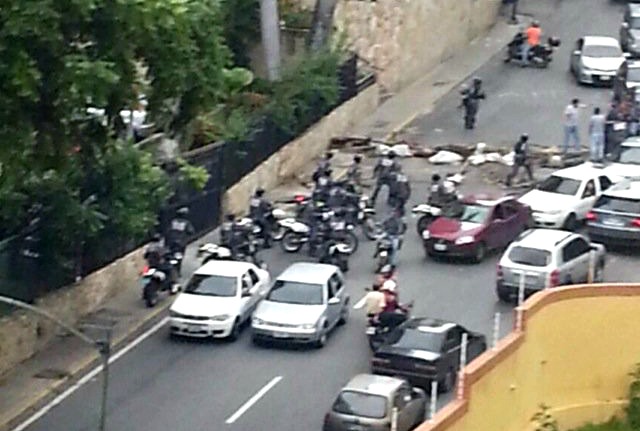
<point x="630" y="30"/>
<point x="424" y="349"/>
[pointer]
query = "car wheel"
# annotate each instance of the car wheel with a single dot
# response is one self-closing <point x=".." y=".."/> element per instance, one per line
<point x="503" y="295"/>
<point x="598" y="276"/>
<point x="291" y="242"/>
<point x="235" y="330"/>
<point x="423" y="224"/>
<point x="322" y="340"/>
<point x="448" y="381"/>
<point x="571" y="223"/>
<point x="480" y="252"/>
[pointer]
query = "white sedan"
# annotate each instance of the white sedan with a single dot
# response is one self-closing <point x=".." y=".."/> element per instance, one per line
<point x="563" y="199"/>
<point x="596" y="60"/>
<point x="218" y="299"/>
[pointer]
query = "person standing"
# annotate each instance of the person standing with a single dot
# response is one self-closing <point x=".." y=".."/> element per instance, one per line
<point x="571" y="126"/>
<point x="596" y="133"/>
<point x="384" y="173"/>
<point x="521" y="159"/>
<point x="533" y="40"/>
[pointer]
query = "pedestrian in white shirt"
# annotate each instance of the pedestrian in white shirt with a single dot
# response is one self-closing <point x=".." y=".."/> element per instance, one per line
<point x="596" y="133"/>
<point x="571" y="126"/>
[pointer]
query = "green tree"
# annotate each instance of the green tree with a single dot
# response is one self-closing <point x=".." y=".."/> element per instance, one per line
<point x="63" y="166"/>
<point x="241" y="20"/>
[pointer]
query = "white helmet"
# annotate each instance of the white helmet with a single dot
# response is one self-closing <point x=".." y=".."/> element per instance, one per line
<point x="389" y="286"/>
<point x="449" y="187"/>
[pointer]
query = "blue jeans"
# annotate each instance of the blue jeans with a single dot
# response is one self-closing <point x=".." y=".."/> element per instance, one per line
<point x="597" y="147"/>
<point x="569" y="133"/>
<point x="395" y="248"/>
<point x="524" y="52"/>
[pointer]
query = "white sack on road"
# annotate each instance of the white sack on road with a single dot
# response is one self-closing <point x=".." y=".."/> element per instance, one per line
<point x="445" y="158"/>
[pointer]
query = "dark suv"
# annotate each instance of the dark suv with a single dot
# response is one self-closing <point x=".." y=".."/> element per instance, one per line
<point x="630" y="30"/>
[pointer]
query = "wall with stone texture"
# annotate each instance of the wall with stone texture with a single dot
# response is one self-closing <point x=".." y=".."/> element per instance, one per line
<point x="404" y="39"/>
<point x="293" y="157"/>
<point x="22" y="334"/>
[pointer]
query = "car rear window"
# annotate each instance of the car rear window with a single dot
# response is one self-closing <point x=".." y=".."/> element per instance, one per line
<point x="529" y="256"/>
<point x="361" y="404"/>
<point x="611" y="203"/>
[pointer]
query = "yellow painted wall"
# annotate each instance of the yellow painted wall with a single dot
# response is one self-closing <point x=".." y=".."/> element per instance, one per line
<point x="573" y="355"/>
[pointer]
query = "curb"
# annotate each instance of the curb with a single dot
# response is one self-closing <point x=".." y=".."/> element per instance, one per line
<point x="79" y="368"/>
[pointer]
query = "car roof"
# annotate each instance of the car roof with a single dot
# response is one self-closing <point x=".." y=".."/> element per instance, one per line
<point x="373" y="384"/>
<point x="225" y="268"/>
<point x="631" y="142"/>
<point x="430" y="325"/>
<point x="601" y="41"/>
<point x="625" y="190"/>
<point x="579" y="172"/>
<point x="305" y="272"/>
<point x="541" y="238"/>
<point x="486" y="199"/>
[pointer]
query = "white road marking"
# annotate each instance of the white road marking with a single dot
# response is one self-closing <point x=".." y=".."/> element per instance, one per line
<point x="89" y="376"/>
<point x="360" y="303"/>
<point x="254" y="399"/>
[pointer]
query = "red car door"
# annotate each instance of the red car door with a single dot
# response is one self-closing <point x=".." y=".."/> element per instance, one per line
<point x="494" y="231"/>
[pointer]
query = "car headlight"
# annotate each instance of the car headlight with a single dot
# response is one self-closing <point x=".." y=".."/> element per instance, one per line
<point x="426" y="234"/>
<point x="464" y="240"/>
<point x="585" y="69"/>
<point x="221" y="317"/>
<point x="308" y="326"/>
<point x="257" y="321"/>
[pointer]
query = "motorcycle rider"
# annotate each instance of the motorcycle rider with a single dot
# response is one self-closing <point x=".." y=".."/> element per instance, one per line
<point x="323" y="166"/>
<point x="384" y="172"/>
<point x="401" y="191"/>
<point x="532" y="42"/>
<point x="393" y="227"/>
<point x="180" y="229"/>
<point x="354" y="173"/>
<point x="374" y="302"/>
<point x="436" y="191"/>
<point x="260" y="210"/>
<point x="388" y="272"/>
<point x="155" y="252"/>
<point x="470" y="102"/>
<point x="227" y="231"/>
<point x="393" y="314"/>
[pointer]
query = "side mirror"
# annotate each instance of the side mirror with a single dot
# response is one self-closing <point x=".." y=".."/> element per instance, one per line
<point x="334" y="301"/>
<point x="626" y="55"/>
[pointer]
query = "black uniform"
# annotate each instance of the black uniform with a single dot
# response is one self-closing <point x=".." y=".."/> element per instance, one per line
<point x="384" y="172"/>
<point x="521" y="159"/>
<point x="180" y="230"/>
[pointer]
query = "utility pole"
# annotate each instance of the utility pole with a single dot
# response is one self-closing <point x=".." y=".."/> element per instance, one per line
<point x="270" y="27"/>
<point x="103" y="346"/>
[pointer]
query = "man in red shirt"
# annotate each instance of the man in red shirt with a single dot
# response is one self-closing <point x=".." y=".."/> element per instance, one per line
<point x="533" y="35"/>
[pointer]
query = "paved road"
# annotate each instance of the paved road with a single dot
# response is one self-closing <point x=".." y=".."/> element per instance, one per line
<point x="197" y="386"/>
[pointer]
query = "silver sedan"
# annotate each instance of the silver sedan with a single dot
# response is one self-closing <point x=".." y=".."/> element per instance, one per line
<point x="596" y="60"/>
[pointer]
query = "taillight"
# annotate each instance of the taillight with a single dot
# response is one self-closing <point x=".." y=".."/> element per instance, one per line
<point x="499" y="272"/>
<point x="144" y="270"/>
<point x="554" y="278"/>
<point x="635" y="222"/>
<point x="299" y="198"/>
<point x="591" y="216"/>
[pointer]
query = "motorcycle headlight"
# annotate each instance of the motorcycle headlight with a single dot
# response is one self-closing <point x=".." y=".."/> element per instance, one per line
<point x="426" y="234"/>
<point x="257" y="321"/>
<point x="221" y="317"/>
<point x="464" y="240"/>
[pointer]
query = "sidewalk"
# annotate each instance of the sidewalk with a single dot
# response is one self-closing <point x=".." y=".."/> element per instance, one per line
<point x="42" y="378"/>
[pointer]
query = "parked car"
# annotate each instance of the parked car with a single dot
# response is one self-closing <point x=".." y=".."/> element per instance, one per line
<point x="564" y="198"/>
<point x="630" y="30"/>
<point x="626" y="160"/>
<point x="615" y="218"/>
<point x="478" y="226"/>
<point x="627" y="79"/>
<point x="304" y="304"/>
<point x="367" y="403"/>
<point x="596" y="60"/>
<point x="218" y="299"/>
<point x="548" y="258"/>
<point x="424" y="349"/>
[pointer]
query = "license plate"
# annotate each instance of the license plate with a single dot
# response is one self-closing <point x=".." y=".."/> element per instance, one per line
<point x="370" y="331"/>
<point x="605" y="78"/>
<point x="610" y="221"/>
<point x="280" y="335"/>
<point x="193" y="328"/>
<point x="440" y="247"/>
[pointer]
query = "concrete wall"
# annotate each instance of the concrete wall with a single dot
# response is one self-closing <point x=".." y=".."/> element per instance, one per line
<point x="404" y="39"/>
<point x="574" y="354"/>
<point x="293" y="157"/>
<point x="22" y="334"/>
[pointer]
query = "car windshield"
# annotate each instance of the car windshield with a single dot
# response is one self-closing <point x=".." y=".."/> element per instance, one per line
<point x="468" y="213"/>
<point x="630" y="155"/>
<point x="560" y="185"/>
<point x="610" y="203"/>
<point x="296" y="293"/>
<point x="212" y="285"/>
<point x="416" y="339"/>
<point x="601" y="51"/>
<point x="361" y="404"/>
<point x="529" y="256"/>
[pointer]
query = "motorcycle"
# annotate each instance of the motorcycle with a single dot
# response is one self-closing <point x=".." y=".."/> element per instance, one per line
<point x="296" y="235"/>
<point x="539" y="56"/>
<point x="425" y="214"/>
<point x="153" y="281"/>
<point x="274" y="221"/>
<point x="378" y="327"/>
<point x="342" y="231"/>
<point x="337" y="254"/>
<point x="211" y="251"/>
<point x="365" y="214"/>
<point x="383" y="252"/>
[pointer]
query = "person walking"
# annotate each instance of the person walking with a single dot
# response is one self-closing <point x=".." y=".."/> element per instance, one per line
<point x="571" y="126"/>
<point x="521" y="159"/>
<point x="533" y="34"/>
<point x="596" y="133"/>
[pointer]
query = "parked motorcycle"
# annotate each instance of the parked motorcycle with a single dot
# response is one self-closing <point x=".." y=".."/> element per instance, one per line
<point x="539" y="56"/>
<point x="153" y="282"/>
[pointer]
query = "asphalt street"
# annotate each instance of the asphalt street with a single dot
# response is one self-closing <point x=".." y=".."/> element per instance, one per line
<point x="164" y="384"/>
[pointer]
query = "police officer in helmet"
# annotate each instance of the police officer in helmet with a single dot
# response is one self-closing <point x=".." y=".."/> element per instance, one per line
<point x="260" y="211"/>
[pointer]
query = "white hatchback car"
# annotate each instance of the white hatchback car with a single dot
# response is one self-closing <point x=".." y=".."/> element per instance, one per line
<point x="218" y="299"/>
<point x="564" y="198"/>
<point x="626" y="163"/>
